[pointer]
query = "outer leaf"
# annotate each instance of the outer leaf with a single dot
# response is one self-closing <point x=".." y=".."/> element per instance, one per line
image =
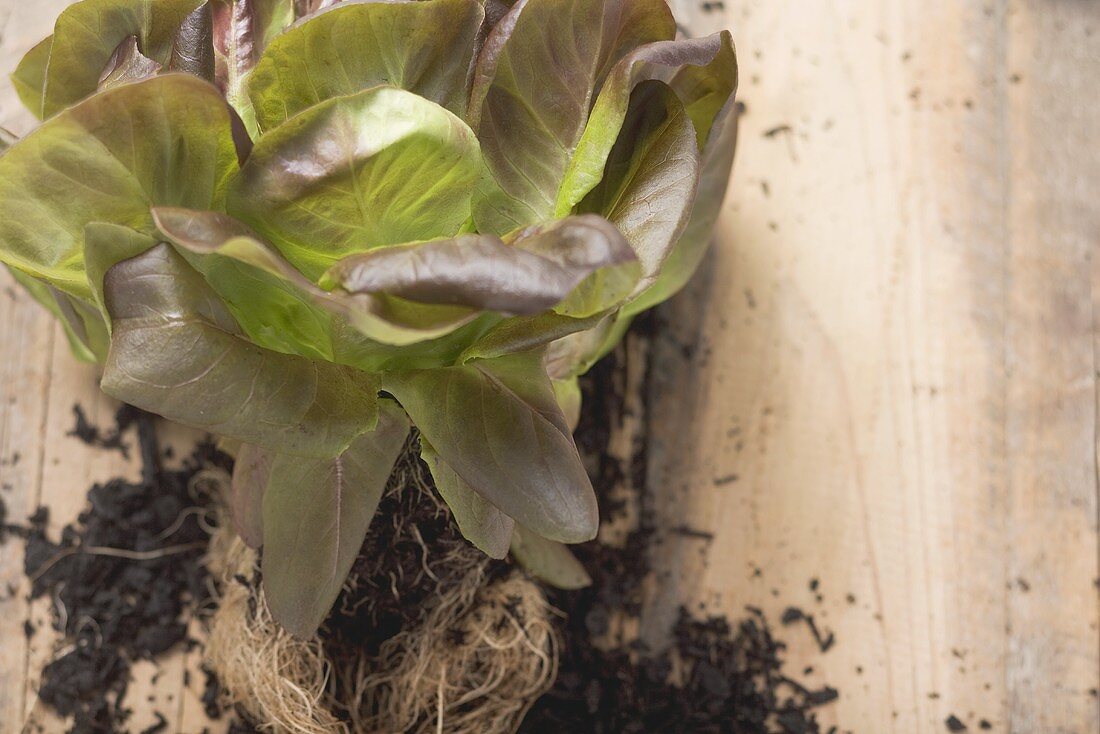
<point x="489" y="529"/>
<point x="692" y="245"/>
<point x="315" y="517"/>
<point x="281" y="309"/>
<point x="548" y="560"/>
<point x="499" y="427"/>
<point x="704" y="73"/>
<point x="251" y="474"/>
<point x="87" y="33"/>
<point x="29" y="77"/>
<point x="539" y="271"/>
<point x="533" y="89"/>
<point x="166" y="140"/>
<point x="47" y="298"/>
<point x="651" y="176"/>
<point x="175" y="351"/>
<point x="376" y="168"/>
<point x="425" y="47"/>
<point x="591" y="245"/>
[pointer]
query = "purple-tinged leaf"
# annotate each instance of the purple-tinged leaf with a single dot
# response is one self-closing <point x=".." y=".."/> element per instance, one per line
<point x="498" y="426"/>
<point x="127" y="64"/>
<point x="649" y="183"/>
<point x="251" y="474"/>
<point x="539" y="271"/>
<point x="486" y="527"/>
<point x="315" y="517"/>
<point x="176" y="351"/>
<point x="534" y="85"/>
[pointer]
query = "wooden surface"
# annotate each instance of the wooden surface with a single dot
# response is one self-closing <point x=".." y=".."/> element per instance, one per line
<point x="884" y="379"/>
<point x="892" y="381"/>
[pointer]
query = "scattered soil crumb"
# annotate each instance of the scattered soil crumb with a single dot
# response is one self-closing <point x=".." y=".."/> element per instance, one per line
<point x="717" y="675"/>
<point x="125" y="578"/>
<point x="953" y="723"/>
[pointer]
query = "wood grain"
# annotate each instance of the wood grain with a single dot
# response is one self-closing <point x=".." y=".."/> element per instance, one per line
<point x="885" y="378"/>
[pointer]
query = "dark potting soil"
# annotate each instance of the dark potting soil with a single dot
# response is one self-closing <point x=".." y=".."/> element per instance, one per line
<point x="732" y="678"/>
<point x="125" y="578"/>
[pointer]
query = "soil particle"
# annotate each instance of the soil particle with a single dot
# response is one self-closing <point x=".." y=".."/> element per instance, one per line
<point x="125" y="578"/>
<point x="954" y="724"/>
<point x="717" y="675"/>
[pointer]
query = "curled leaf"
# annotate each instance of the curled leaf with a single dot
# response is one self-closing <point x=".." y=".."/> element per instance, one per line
<point x="281" y="309"/>
<point x="127" y="64"/>
<point x="649" y="183"/>
<point x="537" y="272"/>
<point x="534" y="85"/>
<point x="193" y="46"/>
<point x="703" y="72"/>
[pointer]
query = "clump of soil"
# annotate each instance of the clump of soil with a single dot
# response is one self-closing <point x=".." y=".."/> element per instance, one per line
<point x="716" y="675"/>
<point x="125" y="578"/>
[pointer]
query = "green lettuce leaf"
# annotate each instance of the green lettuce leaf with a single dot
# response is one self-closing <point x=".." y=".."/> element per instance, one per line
<point x="380" y="167"/>
<point x="565" y="261"/>
<point x="486" y="527"/>
<point x="498" y="426"/>
<point x="29" y="77"/>
<point x="315" y="518"/>
<point x="51" y="299"/>
<point x="88" y="32"/>
<point x="534" y="85"/>
<point x="176" y="351"/>
<point x="548" y="560"/>
<point x="165" y="140"/>
<point x="424" y="47"/>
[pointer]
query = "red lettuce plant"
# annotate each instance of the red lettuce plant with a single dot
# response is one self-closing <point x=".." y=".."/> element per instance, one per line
<point x="306" y="229"/>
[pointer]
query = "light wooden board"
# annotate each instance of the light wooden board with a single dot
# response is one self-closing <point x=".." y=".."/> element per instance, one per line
<point x="893" y="350"/>
<point x="892" y="385"/>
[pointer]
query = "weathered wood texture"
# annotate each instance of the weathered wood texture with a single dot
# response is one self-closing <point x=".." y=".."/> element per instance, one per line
<point x="891" y="377"/>
<point x="885" y="378"/>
